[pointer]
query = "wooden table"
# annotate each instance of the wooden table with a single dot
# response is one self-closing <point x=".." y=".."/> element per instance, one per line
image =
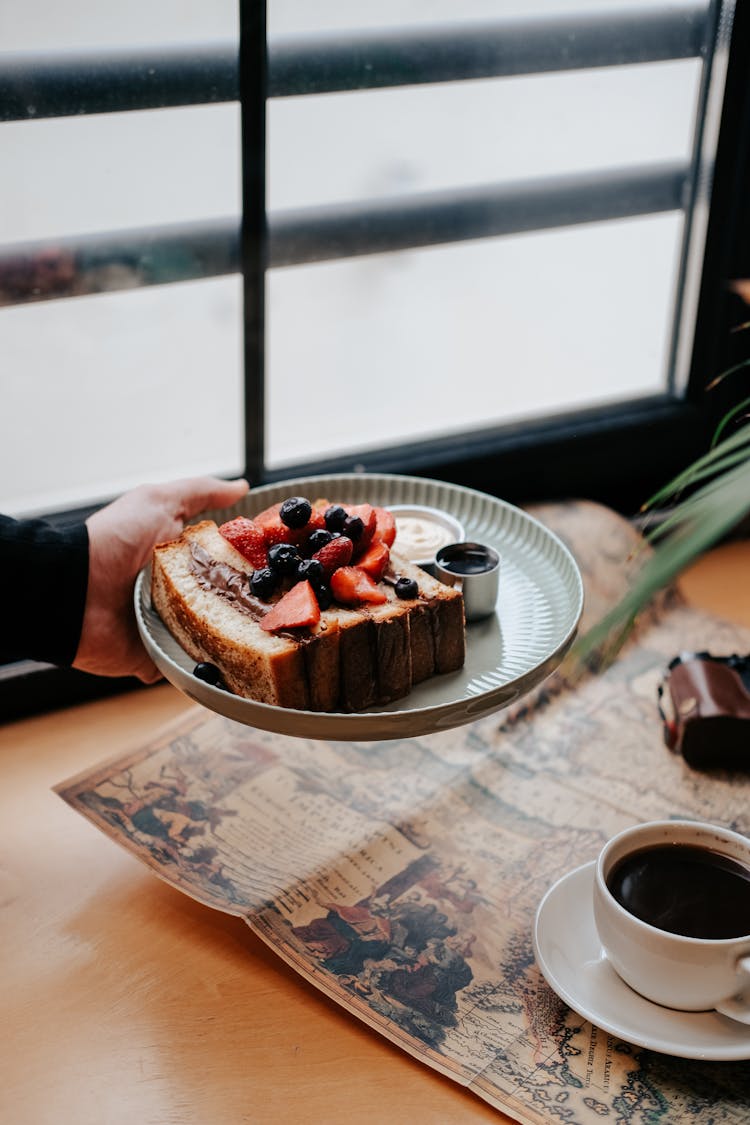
<point x="123" y="1001"/>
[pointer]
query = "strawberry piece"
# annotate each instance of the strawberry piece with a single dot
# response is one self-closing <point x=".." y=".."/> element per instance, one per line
<point x="366" y="513"/>
<point x="375" y="559"/>
<point x="273" y="527"/>
<point x="335" y="554"/>
<point x="350" y="585"/>
<point x="276" y="531"/>
<point x="247" y="538"/>
<point x="298" y="608"/>
<point x="385" y="526"/>
<point x="315" y="522"/>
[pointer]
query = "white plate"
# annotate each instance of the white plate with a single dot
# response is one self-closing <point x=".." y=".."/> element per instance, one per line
<point x="573" y="963"/>
<point x="539" y="606"/>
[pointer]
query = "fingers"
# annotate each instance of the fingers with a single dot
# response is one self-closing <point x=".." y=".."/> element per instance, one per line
<point x="148" y="673"/>
<point x="193" y="494"/>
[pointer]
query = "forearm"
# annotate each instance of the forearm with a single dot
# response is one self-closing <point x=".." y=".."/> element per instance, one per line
<point x="43" y="576"/>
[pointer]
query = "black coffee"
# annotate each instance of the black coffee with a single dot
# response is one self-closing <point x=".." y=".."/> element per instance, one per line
<point x="471" y="562"/>
<point x="685" y="890"/>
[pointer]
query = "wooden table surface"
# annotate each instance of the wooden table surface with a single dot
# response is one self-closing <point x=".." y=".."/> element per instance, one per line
<point x="123" y="1001"/>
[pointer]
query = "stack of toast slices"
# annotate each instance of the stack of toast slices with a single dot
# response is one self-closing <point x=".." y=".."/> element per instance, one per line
<point x="352" y="658"/>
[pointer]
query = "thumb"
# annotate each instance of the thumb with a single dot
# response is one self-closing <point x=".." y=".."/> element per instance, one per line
<point x="192" y="495"/>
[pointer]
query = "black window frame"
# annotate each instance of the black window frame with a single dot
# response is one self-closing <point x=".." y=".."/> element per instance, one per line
<point x="617" y="454"/>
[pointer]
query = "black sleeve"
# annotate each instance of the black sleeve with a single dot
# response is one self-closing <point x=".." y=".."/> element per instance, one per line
<point x="43" y="576"/>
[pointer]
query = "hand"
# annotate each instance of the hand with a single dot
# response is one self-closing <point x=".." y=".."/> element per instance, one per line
<point x="121" y="539"/>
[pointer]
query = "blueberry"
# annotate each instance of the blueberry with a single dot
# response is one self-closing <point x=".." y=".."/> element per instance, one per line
<point x="353" y="527"/>
<point x="334" y="517"/>
<point x="406" y="588"/>
<point x="295" y="512"/>
<point x="284" y="558"/>
<point x="312" y="571"/>
<point x="318" y="539"/>
<point x="324" y="596"/>
<point x="263" y="582"/>
<point x="209" y="673"/>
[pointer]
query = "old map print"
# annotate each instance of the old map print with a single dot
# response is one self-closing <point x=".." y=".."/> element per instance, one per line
<point x="402" y="877"/>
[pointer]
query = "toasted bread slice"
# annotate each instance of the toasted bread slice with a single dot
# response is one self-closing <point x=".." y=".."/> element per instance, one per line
<point x="352" y="659"/>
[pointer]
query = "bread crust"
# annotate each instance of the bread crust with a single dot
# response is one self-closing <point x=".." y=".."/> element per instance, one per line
<point x="353" y="659"/>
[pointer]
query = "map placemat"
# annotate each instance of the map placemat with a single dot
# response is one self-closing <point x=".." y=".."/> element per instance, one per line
<point x="402" y="878"/>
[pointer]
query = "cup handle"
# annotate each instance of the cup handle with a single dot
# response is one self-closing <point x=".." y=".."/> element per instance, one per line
<point x="737" y="1007"/>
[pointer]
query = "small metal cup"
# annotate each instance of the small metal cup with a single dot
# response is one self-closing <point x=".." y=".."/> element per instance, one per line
<point x="475" y="569"/>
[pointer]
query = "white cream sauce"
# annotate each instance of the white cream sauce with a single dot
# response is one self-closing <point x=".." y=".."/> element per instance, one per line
<point x="418" y="538"/>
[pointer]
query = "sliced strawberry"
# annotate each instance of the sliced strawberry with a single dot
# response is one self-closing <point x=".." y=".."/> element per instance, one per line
<point x="350" y="586"/>
<point x="334" y="554"/>
<point x="385" y="526"/>
<point x="375" y="559"/>
<point x="315" y="522"/>
<point x="247" y="538"/>
<point x="276" y="531"/>
<point x="366" y="513"/>
<point x="273" y="528"/>
<point x="298" y="608"/>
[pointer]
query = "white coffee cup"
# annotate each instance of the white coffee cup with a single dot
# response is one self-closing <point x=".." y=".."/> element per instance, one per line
<point x="685" y="972"/>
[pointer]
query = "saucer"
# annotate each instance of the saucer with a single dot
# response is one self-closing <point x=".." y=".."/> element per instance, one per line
<point x="572" y="961"/>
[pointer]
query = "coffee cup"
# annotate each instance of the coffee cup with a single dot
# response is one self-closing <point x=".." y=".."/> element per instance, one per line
<point x="672" y="910"/>
<point x="474" y="568"/>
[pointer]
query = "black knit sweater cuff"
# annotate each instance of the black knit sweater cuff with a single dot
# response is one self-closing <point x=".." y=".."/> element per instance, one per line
<point x="44" y="574"/>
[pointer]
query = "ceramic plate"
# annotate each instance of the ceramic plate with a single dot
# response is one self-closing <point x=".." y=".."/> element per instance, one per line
<point x="538" y="609"/>
<point x="572" y="961"/>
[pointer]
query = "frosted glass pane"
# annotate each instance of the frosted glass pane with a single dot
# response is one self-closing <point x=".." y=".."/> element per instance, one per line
<point x="381" y="350"/>
<point x="101" y="393"/>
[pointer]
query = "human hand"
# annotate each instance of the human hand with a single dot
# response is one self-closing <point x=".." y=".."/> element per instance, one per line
<point x="121" y="538"/>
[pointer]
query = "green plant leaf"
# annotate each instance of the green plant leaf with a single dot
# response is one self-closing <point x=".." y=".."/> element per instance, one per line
<point x="729" y="417"/>
<point x="710" y="463"/>
<point x="699" y="522"/>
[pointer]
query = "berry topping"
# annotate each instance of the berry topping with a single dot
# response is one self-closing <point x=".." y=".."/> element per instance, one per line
<point x="311" y="570"/>
<point x="350" y="585"/>
<point x="276" y="531"/>
<point x="324" y="596"/>
<point x="375" y="559"/>
<point x="353" y="528"/>
<point x="284" y="558"/>
<point x="209" y="673"/>
<point x="406" y="588"/>
<point x="247" y="538"/>
<point x="263" y="582"/>
<point x="385" y="526"/>
<point x="367" y="514"/>
<point x="295" y="512"/>
<point x="296" y="610"/>
<point x="334" y="554"/>
<point x="334" y="517"/>
<point x="319" y="539"/>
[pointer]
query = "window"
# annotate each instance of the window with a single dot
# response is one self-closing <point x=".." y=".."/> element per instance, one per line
<point x="293" y="237"/>
<point x="579" y="171"/>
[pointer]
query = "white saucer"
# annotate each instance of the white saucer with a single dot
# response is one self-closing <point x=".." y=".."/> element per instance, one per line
<point x="572" y="961"/>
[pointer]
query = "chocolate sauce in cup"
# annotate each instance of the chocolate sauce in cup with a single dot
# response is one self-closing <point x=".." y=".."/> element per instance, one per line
<point x="475" y="569"/>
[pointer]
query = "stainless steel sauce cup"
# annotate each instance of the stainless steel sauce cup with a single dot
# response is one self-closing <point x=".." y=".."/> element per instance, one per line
<point x="475" y="569"/>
